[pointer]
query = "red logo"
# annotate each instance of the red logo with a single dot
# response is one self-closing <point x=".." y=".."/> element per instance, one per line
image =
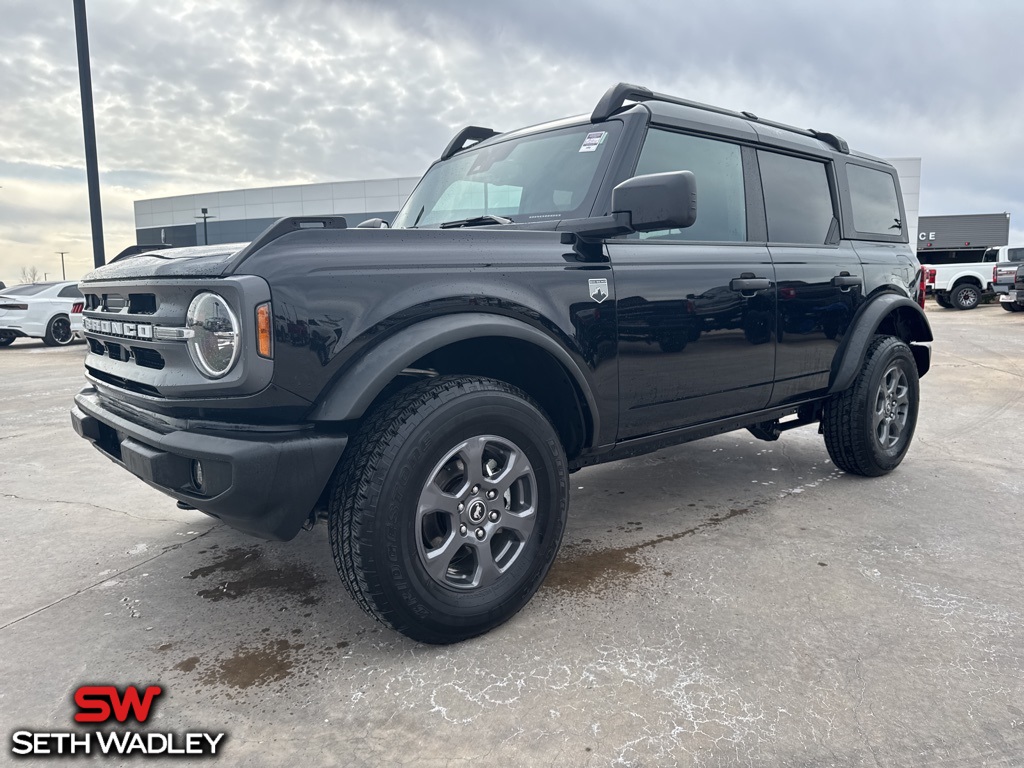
<point x="98" y="703"/>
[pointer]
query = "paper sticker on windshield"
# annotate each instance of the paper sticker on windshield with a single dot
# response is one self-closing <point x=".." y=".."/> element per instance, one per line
<point x="593" y="141"/>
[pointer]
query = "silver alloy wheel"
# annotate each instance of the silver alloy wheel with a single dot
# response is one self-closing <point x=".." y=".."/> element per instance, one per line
<point x="892" y="406"/>
<point x="968" y="296"/>
<point x="60" y="330"/>
<point x="476" y="512"/>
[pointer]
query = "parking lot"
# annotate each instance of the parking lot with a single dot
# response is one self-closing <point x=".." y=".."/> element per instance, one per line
<point x="727" y="602"/>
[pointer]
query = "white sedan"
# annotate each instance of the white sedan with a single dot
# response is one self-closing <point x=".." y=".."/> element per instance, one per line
<point x="48" y="311"/>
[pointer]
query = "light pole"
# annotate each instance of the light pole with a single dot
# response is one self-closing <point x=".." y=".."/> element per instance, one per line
<point x="92" y="172"/>
<point x="63" y="274"/>
<point x="204" y="217"/>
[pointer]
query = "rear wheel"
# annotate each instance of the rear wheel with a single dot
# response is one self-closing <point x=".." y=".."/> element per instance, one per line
<point x="868" y="428"/>
<point x="449" y="507"/>
<point x="58" y="332"/>
<point x="943" y="301"/>
<point x="965" y="296"/>
<point x="6" y="338"/>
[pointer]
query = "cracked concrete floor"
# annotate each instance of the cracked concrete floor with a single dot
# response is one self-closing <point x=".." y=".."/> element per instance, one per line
<point x="729" y="602"/>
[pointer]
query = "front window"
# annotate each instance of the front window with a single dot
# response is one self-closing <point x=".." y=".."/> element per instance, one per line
<point x="543" y="176"/>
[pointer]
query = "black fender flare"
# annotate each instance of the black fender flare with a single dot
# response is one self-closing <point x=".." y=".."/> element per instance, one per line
<point x="911" y="326"/>
<point x="351" y="395"/>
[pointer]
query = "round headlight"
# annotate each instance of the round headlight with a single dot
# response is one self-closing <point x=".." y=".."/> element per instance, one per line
<point x="212" y="332"/>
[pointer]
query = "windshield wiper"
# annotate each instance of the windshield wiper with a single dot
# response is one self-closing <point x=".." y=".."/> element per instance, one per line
<point x="476" y="221"/>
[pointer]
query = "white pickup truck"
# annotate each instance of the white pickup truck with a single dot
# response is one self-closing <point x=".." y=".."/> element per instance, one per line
<point x="1002" y="280"/>
<point x="959" y="281"/>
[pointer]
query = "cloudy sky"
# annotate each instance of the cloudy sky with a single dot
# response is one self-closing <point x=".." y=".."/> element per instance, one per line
<point x="221" y="94"/>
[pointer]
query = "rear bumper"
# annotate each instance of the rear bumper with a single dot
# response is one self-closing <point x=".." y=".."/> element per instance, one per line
<point x="22" y="329"/>
<point x="262" y="482"/>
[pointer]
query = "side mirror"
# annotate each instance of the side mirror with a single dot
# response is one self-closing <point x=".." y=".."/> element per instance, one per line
<point x="373" y="224"/>
<point x="657" y="200"/>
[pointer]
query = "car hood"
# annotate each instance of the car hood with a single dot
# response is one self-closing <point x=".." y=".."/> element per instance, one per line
<point x="198" y="261"/>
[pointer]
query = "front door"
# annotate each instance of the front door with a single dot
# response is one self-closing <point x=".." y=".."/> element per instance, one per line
<point x="695" y="332"/>
<point x="695" y="307"/>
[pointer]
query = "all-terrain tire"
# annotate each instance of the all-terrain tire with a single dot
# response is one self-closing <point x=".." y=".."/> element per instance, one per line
<point x="6" y="339"/>
<point x="869" y="427"/>
<point x="943" y="301"/>
<point x="1011" y="306"/>
<point x="384" y="530"/>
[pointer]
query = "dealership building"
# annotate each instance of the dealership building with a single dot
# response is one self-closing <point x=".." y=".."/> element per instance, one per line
<point x="964" y="239"/>
<point x="240" y="215"/>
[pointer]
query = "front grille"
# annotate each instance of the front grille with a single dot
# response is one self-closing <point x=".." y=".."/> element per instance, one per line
<point x="134" y="328"/>
<point x="141" y="303"/>
<point x="115" y="351"/>
<point x="136" y="303"/>
<point x="148" y="358"/>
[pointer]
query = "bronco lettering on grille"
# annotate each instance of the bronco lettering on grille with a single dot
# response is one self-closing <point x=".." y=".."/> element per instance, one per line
<point x="119" y="328"/>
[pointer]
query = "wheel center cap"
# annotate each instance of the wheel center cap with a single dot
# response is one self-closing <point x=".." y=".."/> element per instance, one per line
<point x="477" y="510"/>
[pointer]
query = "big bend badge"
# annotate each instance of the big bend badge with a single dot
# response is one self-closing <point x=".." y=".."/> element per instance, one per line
<point x="599" y="289"/>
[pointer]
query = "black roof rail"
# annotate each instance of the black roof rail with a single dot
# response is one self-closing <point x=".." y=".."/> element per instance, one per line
<point x="469" y="133"/>
<point x="617" y="95"/>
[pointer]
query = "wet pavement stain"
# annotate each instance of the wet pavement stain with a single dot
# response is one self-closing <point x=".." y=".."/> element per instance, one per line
<point x="294" y="580"/>
<point x="234" y="559"/>
<point x="187" y="665"/>
<point x="595" y="570"/>
<point x="270" y="663"/>
<point x="291" y="580"/>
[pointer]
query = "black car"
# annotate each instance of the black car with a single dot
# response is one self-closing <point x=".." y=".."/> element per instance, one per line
<point x="548" y="298"/>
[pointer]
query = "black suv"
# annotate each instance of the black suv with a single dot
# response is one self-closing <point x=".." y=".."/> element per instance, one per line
<point x="548" y="298"/>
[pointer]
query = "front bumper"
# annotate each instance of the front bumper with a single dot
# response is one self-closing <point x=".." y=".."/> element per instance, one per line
<point x="262" y="481"/>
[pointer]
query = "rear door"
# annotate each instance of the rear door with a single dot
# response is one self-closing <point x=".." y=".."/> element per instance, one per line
<point x="820" y="278"/>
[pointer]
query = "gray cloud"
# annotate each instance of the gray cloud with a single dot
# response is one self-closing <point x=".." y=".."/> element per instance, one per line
<point x="196" y="96"/>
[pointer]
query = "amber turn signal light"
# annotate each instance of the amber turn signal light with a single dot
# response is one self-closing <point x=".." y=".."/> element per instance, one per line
<point x="263" y="337"/>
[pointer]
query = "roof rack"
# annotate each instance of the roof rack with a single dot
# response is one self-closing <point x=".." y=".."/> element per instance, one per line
<point x="469" y="133"/>
<point x="617" y="95"/>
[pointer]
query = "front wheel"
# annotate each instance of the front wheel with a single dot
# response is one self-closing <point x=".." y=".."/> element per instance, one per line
<point x="868" y="428"/>
<point x="449" y="507"/>
<point x="965" y="296"/>
<point x="58" y="332"/>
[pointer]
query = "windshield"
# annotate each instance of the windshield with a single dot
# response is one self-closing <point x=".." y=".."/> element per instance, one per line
<point x="26" y="290"/>
<point x="549" y="175"/>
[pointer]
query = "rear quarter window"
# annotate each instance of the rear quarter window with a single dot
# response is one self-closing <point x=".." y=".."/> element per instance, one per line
<point x="876" y="207"/>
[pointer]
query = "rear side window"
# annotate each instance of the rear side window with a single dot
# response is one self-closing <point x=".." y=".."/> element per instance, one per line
<point x="797" y="200"/>
<point x="718" y="168"/>
<point x="876" y="208"/>
<point x="69" y="292"/>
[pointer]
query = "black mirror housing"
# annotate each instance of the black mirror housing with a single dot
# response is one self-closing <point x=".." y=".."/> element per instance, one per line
<point x="658" y="200"/>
